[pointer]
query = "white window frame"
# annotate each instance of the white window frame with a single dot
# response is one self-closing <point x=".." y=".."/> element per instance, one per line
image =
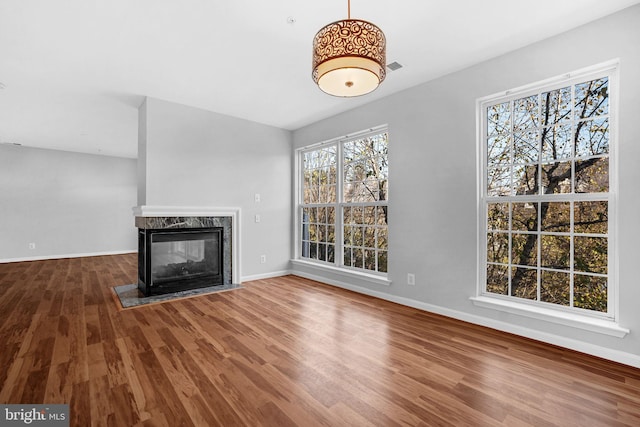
<point x="337" y="266"/>
<point x="605" y="323"/>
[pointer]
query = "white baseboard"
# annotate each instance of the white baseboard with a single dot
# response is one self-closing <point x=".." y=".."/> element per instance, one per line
<point x="581" y="346"/>
<point x="45" y="257"/>
<point x="265" y="275"/>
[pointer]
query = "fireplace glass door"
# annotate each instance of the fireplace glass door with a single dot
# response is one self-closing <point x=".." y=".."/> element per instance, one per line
<point x="182" y="259"/>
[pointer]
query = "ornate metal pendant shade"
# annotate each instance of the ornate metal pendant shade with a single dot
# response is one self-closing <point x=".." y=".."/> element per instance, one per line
<point x="349" y="57"/>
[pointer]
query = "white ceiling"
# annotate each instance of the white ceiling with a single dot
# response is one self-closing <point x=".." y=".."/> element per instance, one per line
<point x="73" y="72"/>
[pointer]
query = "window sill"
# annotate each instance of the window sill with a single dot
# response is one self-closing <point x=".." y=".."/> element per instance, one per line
<point x="344" y="272"/>
<point x="601" y="326"/>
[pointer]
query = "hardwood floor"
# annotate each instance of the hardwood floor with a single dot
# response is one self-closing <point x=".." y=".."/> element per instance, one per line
<point x="281" y="352"/>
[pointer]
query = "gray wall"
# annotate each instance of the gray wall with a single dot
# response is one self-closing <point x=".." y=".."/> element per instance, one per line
<point x="200" y="158"/>
<point x="68" y="204"/>
<point x="433" y="170"/>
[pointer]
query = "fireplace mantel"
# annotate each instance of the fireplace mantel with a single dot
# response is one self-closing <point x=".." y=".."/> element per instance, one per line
<point x="147" y="211"/>
<point x="142" y="213"/>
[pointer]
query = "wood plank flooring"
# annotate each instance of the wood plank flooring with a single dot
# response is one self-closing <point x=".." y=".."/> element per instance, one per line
<point x="281" y="352"/>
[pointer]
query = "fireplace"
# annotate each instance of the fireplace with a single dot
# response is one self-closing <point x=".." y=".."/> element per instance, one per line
<point x="175" y="260"/>
<point x="182" y="253"/>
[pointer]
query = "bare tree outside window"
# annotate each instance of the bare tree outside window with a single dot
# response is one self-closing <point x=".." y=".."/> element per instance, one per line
<point x="547" y="196"/>
<point x="344" y="217"/>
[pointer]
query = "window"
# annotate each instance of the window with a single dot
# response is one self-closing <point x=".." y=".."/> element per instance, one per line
<point x="546" y="195"/>
<point x="343" y="202"/>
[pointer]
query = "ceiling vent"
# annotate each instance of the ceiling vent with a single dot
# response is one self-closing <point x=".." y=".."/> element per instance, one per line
<point x="394" y="66"/>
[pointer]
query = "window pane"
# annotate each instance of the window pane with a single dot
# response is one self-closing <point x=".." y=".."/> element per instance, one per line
<point x="348" y="235"/>
<point x="524" y="249"/>
<point x="353" y="236"/>
<point x="498" y="216"/>
<point x="322" y="233"/>
<point x="357" y="192"/>
<point x="369" y="214"/>
<point x="556" y="216"/>
<point x="526" y="146"/>
<point x="331" y="215"/>
<point x="590" y="292"/>
<point x="319" y="171"/>
<point x="357" y="215"/>
<point x="592" y="98"/>
<point x="499" y="182"/>
<point x="556" y="178"/>
<point x="592" y="138"/>
<point x="498" y="150"/>
<point x="498" y="119"/>
<point x="312" y="194"/>
<point x="327" y="193"/>
<point x="369" y="260"/>
<point x="306" y="249"/>
<point x="555" y="252"/>
<point x="556" y="106"/>
<point x="525" y="113"/>
<point x="346" y="215"/>
<point x="498" y="279"/>
<point x="348" y="257"/>
<point x="369" y="237"/>
<point x="381" y="238"/>
<point x="366" y="169"/>
<point x="590" y="254"/>
<point x="382" y="215"/>
<point x="382" y="261"/>
<point x="322" y="216"/>
<point x="555" y="287"/>
<point x="313" y="215"/>
<point x="358" y="258"/>
<point x="557" y="142"/>
<point x="354" y="170"/>
<point x="331" y="233"/>
<point x="524" y="216"/>
<point x="525" y="180"/>
<point x="322" y="252"/>
<point x="331" y="253"/>
<point x="524" y="283"/>
<point x="308" y="180"/>
<point x="498" y="247"/>
<point x="591" y="217"/>
<point x="305" y="215"/>
<point x="592" y="176"/>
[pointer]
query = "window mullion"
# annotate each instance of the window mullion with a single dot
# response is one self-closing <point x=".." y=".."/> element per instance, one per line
<point x="339" y="205"/>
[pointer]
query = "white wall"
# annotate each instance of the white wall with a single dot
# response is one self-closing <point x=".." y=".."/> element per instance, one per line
<point x="142" y="154"/>
<point x="68" y="204"/>
<point x="432" y="197"/>
<point x="200" y="158"/>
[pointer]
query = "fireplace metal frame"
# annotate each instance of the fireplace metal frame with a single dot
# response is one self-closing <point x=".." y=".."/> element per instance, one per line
<point x="146" y="284"/>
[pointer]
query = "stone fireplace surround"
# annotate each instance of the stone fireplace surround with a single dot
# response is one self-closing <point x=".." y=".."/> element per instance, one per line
<point x="175" y="217"/>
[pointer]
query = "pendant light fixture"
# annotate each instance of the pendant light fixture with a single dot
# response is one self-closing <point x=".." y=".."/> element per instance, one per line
<point x="349" y="57"/>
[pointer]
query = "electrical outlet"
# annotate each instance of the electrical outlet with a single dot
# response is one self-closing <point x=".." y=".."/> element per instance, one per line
<point x="263" y="259"/>
<point x="411" y="279"/>
<point x="257" y="218"/>
<point x="256" y="197"/>
<point x="32" y="245"/>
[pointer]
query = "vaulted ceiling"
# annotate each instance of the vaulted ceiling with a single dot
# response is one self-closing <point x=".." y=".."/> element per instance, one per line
<point x="73" y="72"/>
